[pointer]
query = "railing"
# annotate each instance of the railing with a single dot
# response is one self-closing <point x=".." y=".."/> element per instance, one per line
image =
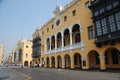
<point x="66" y="48"/>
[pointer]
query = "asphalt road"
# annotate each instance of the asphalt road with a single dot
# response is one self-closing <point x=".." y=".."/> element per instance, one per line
<point x="58" y="74"/>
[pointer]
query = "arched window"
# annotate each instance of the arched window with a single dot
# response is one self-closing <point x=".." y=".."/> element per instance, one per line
<point x="77" y="38"/>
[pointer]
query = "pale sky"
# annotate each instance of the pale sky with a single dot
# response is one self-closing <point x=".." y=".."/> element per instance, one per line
<point x="20" y="18"/>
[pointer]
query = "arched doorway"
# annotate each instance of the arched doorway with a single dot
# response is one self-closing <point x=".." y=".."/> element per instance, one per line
<point x="47" y="61"/>
<point x="67" y="61"/>
<point x="53" y="61"/>
<point x="94" y="60"/>
<point x="59" y="59"/>
<point x="112" y="58"/>
<point x="26" y="63"/>
<point x="77" y="60"/>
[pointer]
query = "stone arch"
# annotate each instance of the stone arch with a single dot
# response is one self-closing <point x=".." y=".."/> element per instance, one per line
<point x="26" y="63"/>
<point x="59" y="39"/>
<point x="67" y="61"/>
<point x="43" y="62"/>
<point x="76" y="33"/>
<point x="53" y="42"/>
<point x="53" y="61"/>
<point x="112" y="58"/>
<point x="71" y="28"/>
<point x="48" y="62"/>
<point x="48" y="43"/>
<point x="77" y="60"/>
<point x="94" y="60"/>
<point x="59" y="61"/>
<point x="66" y="37"/>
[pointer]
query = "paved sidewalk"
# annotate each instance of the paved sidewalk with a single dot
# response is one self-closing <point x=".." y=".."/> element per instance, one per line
<point x="3" y="74"/>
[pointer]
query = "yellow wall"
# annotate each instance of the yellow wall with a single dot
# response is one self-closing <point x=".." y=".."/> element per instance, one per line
<point x="83" y="18"/>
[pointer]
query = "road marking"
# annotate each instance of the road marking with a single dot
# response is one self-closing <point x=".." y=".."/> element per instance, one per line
<point x="28" y="77"/>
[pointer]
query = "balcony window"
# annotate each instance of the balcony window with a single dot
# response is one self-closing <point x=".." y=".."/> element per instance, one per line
<point x="112" y="23"/>
<point x="109" y="7"/>
<point x="77" y="38"/>
<point x="102" y="10"/>
<point x="104" y="26"/>
<point x="98" y="27"/>
<point x="115" y="4"/>
<point x="117" y="16"/>
<point x="96" y="13"/>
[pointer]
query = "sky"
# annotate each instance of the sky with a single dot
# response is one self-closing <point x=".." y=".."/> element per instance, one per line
<point x="20" y="18"/>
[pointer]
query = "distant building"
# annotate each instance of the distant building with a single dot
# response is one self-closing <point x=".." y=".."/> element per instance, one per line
<point x="23" y="52"/>
<point x="2" y="51"/>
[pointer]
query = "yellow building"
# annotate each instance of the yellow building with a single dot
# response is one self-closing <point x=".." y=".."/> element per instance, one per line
<point x="68" y="40"/>
<point x="23" y="52"/>
<point x="1" y="54"/>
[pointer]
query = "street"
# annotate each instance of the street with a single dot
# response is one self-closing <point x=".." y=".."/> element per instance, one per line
<point x="57" y="74"/>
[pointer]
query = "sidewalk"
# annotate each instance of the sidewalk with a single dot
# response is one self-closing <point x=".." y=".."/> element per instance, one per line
<point x="3" y="74"/>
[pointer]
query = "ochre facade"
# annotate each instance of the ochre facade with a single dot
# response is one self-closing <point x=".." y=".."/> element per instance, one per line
<point x="65" y="41"/>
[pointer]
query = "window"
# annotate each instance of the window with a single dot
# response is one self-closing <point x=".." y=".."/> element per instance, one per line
<point x="115" y="4"/>
<point x="57" y="22"/>
<point x="96" y="13"/>
<point x="117" y="17"/>
<point x="104" y="26"/>
<point x="112" y="23"/>
<point x="102" y="10"/>
<point x="77" y="38"/>
<point x="74" y="12"/>
<point x="109" y="7"/>
<point x="52" y="26"/>
<point x="90" y="33"/>
<point x="98" y="27"/>
<point x="27" y="46"/>
<point x="87" y="4"/>
<point x="65" y="18"/>
<point x="26" y="55"/>
<point x="47" y="29"/>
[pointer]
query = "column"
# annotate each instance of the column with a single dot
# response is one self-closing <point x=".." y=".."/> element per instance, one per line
<point x="70" y="37"/>
<point x="50" y="43"/>
<point x="63" y="62"/>
<point x="56" y="62"/>
<point x="72" y="63"/>
<point x="62" y="40"/>
<point x="102" y="63"/>
<point x="45" y="48"/>
<point x="87" y="63"/>
<point x="55" y="42"/>
<point x="50" y="63"/>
